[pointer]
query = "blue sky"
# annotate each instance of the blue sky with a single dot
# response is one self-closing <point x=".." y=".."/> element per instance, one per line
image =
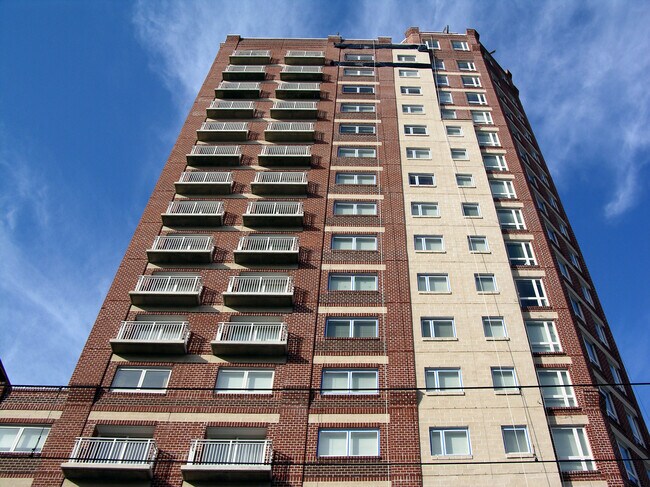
<point x="93" y="94"/>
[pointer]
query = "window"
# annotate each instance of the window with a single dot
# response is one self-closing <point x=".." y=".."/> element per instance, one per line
<point x="511" y="218"/>
<point x="439" y="380"/>
<point x="600" y="331"/>
<point x="494" y="327"/>
<point x="616" y="375"/>
<point x="341" y="381"/>
<point x="564" y="270"/>
<point x="244" y="381"/>
<point x="542" y="337"/>
<point x="478" y="244"/>
<point x="504" y="379"/>
<point x="572" y="449"/>
<point x="354" y="242"/>
<point x="448" y="114"/>
<point x="357" y="129"/>
<point x="358" y="72"/>
<point x="466" y="66"/>
<point x="476" y="98"/>
<point x="459" y="154"/>
<point x="485" y="283"/>
<point x="515" y="439"/>
<point x="415" y="130"/>
<point x="433" y="283"/>
<point x="421" y="179"/>
<point x="454" y="131"/>
<point x="564" y="230"/>
<point x="465" y="180"/>
<point x="531" y="292"/>
<point x="610" y="409"/>
<point x="406" y="58"/>
<point x="432" y="43"/>
<point x="359" y="57"/>
<point x="470" y="81"/>
<point x="413" y="109"/>
<point x="587" y="294"/>
<point x="351" y="328"/>
<point x="541" y="204"/>
<point x="556" y="388"/>
<point x="357" y="108"/>
<point x="410" y="90"/>
<point x="553" y="201"/>
<point x="634" y="426"/>
<point x="488" y="139"/>
<point x="409" y="73"/>
<point x="459" y="46"/>
<point x="494" y="162"/>
<point x="417" y="153"/>
<point x="471" y="210"/>
<point x="445" y="98"/>
<point x="429" y="243"/>
<point x="442" y="80"/>
<point x="520" y="253"/>
<point x="574" y="260"/>
<point x="591" y="351"/>
<point x="352" y="282"/>
<point x="482" y="118"/>
<point x="439" y="64"/>
<point x="356" y="178"/>
<point x="348" y="443"/>
<point x="626" y="456"/>
<point x="23" y="439"/>
<point x="577" y="309"/>
<point x="359" y="89"/>
<point x="502" y="189"/>
<point x="354" y="209"/>
<point x="449" y="441"/>
<point x="140" y="379"/>
<point x="357" y="152"/>
<point x="425" y="209"/>
<point x="438" y="327"/>
<point x="552" y="236"/>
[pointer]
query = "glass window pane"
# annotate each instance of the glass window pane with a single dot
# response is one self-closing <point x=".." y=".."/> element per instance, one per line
<point x="230" y="379"/>
<point x="343" y="209"/>
<point x="365" y="179"/>
<point x="7" y="438"/>
<point x="364" y="382"/>
<point x="332" y="443"/>
<point x="449" y="379"/>
<point x="365" y="328"/>
<point x="32" y="439"/>
<point x="438" y="284"/>
<point x="366" y="243"/>
<point x="343" y="243"/>
<point x="443" y="328"/>
<point x="126" y="378"/>
<point x="340" y="283"/>
<point x="456" y="443"/>
<point x="338" y="328"/>
<point x="155" y="379"/>
<point x="262" y="379"/>
<point x="365" y="283"/>
<point x="436" y="443"/>
<point x="335" y="382"/>
<point x="366" y="209"/>
<point x="515" y="440"/>
<point x="364" y="443"/>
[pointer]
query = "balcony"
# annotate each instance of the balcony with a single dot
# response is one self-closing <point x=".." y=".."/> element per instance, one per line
<point x="259" y="291"/>
<point x="250" y="57"/>
<point x="111" y="458"/>
<point x="289" y="132"/>
<point x="273" y="214"/>
<point x="181" y="249"/>
<point x="152" y="337"/>
<point x="279" y="183"/>
<point x="285" y="155"/>
<point x="298" y="90"/>
<point x="258" y="339"/>
<point x="305" y="58"/>
<point x="231" y="109"/>
<point x="229" y="460"/>
<point x="167" y="290"/>
<point x="222" y="131"/>
<point x="260" y="250"/>
<point x="244" y="73"/>
<point x="204" y="183"/>
<point x="244" y="89"/>
<point x="193" y="213"/>
<point x="215" y="155"/>
<point x="294" y="110"/>
<point x="301" y="73"/>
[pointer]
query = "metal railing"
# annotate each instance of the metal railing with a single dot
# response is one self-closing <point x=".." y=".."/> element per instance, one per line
<point x="286" y="150"/>
<point x="261" y="285"/>
<point x="274" y="208"/>
<point x="216" y="150"/>
<point x="205" y="177"/>
<point x="295" y="105"/>
<point x="185" y="242"/>
<point x="154" y="331"/>
<point x="302" y="69"/>
<point x="185" y="207"/>
<point x="305" y="54"/>
<point x="251" y="332"/>
<point x="233" y="68"/>
<point x="232" y="105"/>
<point x="225" y="126"/>
<point x="290" y="126"/>
<point x="268" y="244"/>
<point x="281" y="177"/>
<point x="251" y="53"/>
<point x="299" y="86"/>
<point x="244" y="85"/>
<point x="169" y="284"/>
<point x="230" y="452"/>
<point x="114" y="450"/>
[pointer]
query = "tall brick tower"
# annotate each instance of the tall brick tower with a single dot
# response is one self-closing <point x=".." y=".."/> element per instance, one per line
<point x="355" y="270"/>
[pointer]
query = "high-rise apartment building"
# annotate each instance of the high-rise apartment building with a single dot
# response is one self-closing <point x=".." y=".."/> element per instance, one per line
<point x="355" y="270"/>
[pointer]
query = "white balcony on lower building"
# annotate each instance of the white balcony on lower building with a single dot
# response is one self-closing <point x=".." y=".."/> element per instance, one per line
<point x="298" y="90"/>
<point x="267" y="339"/>
<point x="250" y="57"/>
<point x="231" y="109"/>
<point x="274" y="214"/>
<point x="201" y="213"/>
<point x="301" y="73"/>
<point x="285" y="155"/>
<point x="267" y="250"/>
<point x="279" y="183"/>
<point x="152" y="337"/>
<point x="242" y="89"/>
<point x="181" y="249"/>
<point x="215" y="155"/>
<point x="222" y="131"/>
<point x="304" y="57"/>
<point x="172" y="290"/>
<point x="259" y="291"/>
<point x="303" y="110"/>
<point x="289" y="132"/>
<point x="229" y="460"/>
<point x="111" y="458"/>
<point x="204" y="182"/>
<point x="236" y="72"/>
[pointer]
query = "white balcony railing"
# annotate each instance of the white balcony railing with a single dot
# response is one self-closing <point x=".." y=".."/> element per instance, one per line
<point x="244" y="85"/>
<point x="195" y="208"/>
<point x="290" y="126"/>
<point x="251" y="53"/>
<point x="233" y="105"/>
<point x="169" y="284"/>
<point x="274" y="208"/>
<point x="216" y="150"/>
<point x="225" y="126"/>
<point x="206" y="177"/>
<point x="295" y="105"/>
<point x="268" y="244"/>
<point x="251" y="332"/>
<point x="280" y="177"/>
<point x="186" y="242"/>
<point x="305" y="54"/>
<point x="260" y="285"/>
<point x="114" y="450"/>
<point x="230" y="452"/>
<point x="154" y="331"/>
<point x="303" y="69"/>
<point x="233" y="68"/>
<point x="286" y="150"/>
<point x="299" y="86"/>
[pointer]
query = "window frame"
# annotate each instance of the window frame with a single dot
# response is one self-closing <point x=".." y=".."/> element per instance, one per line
<point x="143" y="373"/>
<point x="410" y="90"/>
<point x="419" y="204"/>
<point x="540" y="297"/>
<point x="415" y="152"/>
<point x="445" y="97"/>
<point x="507" y="189"/>
<point x="435" y="372"/>
<point x="428" y="286"/>
<point x="519" y="223"/>
<point x="454" y="131"/>
<point x="488" y="139"/>
<point x="470" y="81"/>
<point x="356" y="152"/>
<point x="459" y="154"/>
<point x="355" y="206"/>
<point x="484" y="119"/>
<point x="499" y="158"/>
<point x="515" y="429"/>
<point x="356" y="176"/>
<point x="487" y="322"/>
<point x="411" y="129"/>
<point x="353" y="279"/>
<point x="592" y="351"/>
<point x="415" y="177"/>
<point x="584" y="457"/>
<point x="566" y="392"/>
<point x="457" y="45"/>
<point x="470" y="244"/>
<point x="339" y="236"/>
<point x="441" y="80"/>
<point x="357" y="127"/>
<point x="447" y="114"/>
<point x="344" y="106"/>
<point x="506" y="388"/>
<point x="474" y="98"/>
<point x="349" y="432"/>
<point x="442" y="444"/>
<point x="359" y="57"/>
<point x="464" y="206"/>
<point x="628" y="462"/>
<point x="406" y="58"/>
<point x="22" y="428"/>
<point x="357" y="89"/>
<point x="401" y="73"/>
<point x="429" y="323"/>
<point x="353" y="329"/>
<point x="351" y="71"/>
<point x="549" y="331"/>
<point x="407" y="109"/>
<point x="245" y="381"/>
<point x="470" y="65"/>
<point x="424" y="238"/>
<point x="350" y="390"/>
<point x="527" y="248"/>
<point x="479" y="280"/>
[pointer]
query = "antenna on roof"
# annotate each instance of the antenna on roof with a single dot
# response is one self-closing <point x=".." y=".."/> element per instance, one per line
<point x="446" y="31"/>
<point x="492" y="52"/>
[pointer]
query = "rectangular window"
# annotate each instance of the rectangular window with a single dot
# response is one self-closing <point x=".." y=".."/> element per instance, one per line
<point x="348" y="208"/>
<point x="515" y="439"/>
<point x="564" y="270"/>
<point x="415" y="130"/>
<point x="543" y="337"/>
<point x="413" y="109"/>
<point x="520" y="253"/>
<point x="482" y="118"/>
<point x="438" y="327"/>
<point x="634" y="426"/>
<point x="564" y="230"/>
<point x="410" y="90"/>
<point x="409" y="73"/>
<point x="244" y="381"/>
<point x="476" y="98"/>
<point x="466" y="66"/>
<point x="358" y="72"/>
<point x="356" y="178"/>
<point x="572" y="449"/>
<point x="577" y="309"/>
<point x="445" y="98"/>
<point x="352" y="282"/>
<point x="421" y="179"/>
<point x="574" y="260"/>
<point x="459" y="154"/>
<point x="357" y="108"/>
<point x="441" y="380"/>
<point x="488" y="139"/>
<point x="351" y="328"/>
<point x="432" y="43"/>
<point x="439" y="64"/>
<point x="591" y="351"/>
<point x="552" y="236"/>
<point x="140" y="379"/>
<point x="418" y="153"/>
<point x="433" y="283"/>
<point x="425" y="209"/>
<point x="405" y="58"/>
<point x="442" y="80"/>
<point x="511" y="218"/>
<point x="494" y="327"/>
<point x="486" y="283"/>
<point x="356" y="381"/>
<point x="616" y="376"/>
<point x="504" y="379"/>
<point x="531" y="292"/>
<point x="541" y="204"/>
<point x="556" y="388"/>
<point x="626" y="456"/>
<point x="448" y="114"/>
<point x="465" y="181"/>
<point x="471" y="81"/>
<point x="453" y="131"/>
<point x="471" y="210"/>
<point x="348" y="443"/>
<point x="357" y="152"/>
<point x="359" y="57"/>
<point x="449" y="441"/>
<point x="358" y="89"/>
<point x="459" y="46"/>
<point x="600" y="331"/>
<point x="502" y="189"/>
<point x="494" y="162"/>
<point x="429" y="243"/>
<point x="23" y="439"/>
<point x="478" y="244"/>
<point x="610" y="409"/>
<point x="354" y="242"/>
<point x="356" y="129"/>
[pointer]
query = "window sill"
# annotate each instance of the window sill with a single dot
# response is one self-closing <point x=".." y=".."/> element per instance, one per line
<point x="425" y="216"/>
<point x="472" y="217"/>
<point x="508" y="393"/>
<point x="432" y="292"/>
<point x="452" y="457"/>
<point x="440" y="339"/>
<point x="430" y="251"/>
<point x="497" y="339"/>
<point x="444" y="393"/>
<point x="487" y="292"/>
<point x="480" y="252"/>
<point x="520" y="455"/>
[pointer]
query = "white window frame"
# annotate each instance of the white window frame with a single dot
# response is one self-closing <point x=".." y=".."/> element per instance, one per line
<point x="406" y="58"/>
<point x="628" y="463"/>
<point x="413" y="109"/>
<point x="358" y="129"/>
<point x="433" y="44"/>
<point x="576" y="307"/>
<point x="618" y="379"/>
<point x="44" y="431"/>
<point x="464" y="65"/>
<point x="476" y="98"/>
<point x="584" y="457"/>
<point x="526" y="247"/>
<point x="459" y="154"/>
<point x="245" y="381"/>
<point x="349" y="434"/>
<point x="410" y="90"/>
<point x="358" y="89"/>
<point x="427" y="280"/>
<point x="353" y="282"/>
<point x="357" y="152"/>
<point x="355" y="208"/>
<point x="564" y="269"/>
<point x="447" y="114"/>
<point x="439" y="65"/>
<point x="469" y="178"/>
<point x="408" y="73"/>
<point x="482" y="118"/>
<point x="442" y="80"/>
<point x="434" y="372"/>
<point x="416" y="130"/>
<point x="634" y="426"/>
<point x="488" y="139"/>
<point x="430" y="324"/>
<point x="586" y="293"/>
<point x="418" y="206"/>
<point x="540" y="298"/>
<point x="480" y="279"/>
<point x="465" y="206"/>
<point x="552" y="236"/>
<point x="518" y="218"/>
<point x="575" y="260"/>
<point x="473" y="240"/>
<point x="610" y="408"/>
<point x="423" y="240"/>
<point x="514" y="429"/>
<point x="356" y="179"/>
<point x="143" y="373"/>
<point x="507" y="388"/>
<point x="359" y="57"/>
<point x="358" y="108"/>
<point x="354" y="239"/>
<point x="358" y="72"/>
<point x="549" y="331"/>
<point x="350" y="390"/>
<point x="489" y="324"/>
<point x="565" y="394"/>
<point x="415" y="179"/>
<point x="442" y="444"/>
<point x="600" y="332"/>
<point x="500" y="160"/>
<point x="469" y="81"/>
<point x="445" y="97"/>
<point x="418" y="153"/>
<point x="457" y="45"/>
<point x="592" y="352"/>
<point x="353" y="329"/>
<point x="564" y="230"/>
<point x="454" y="131"/>
<point x="507" y="189"/>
